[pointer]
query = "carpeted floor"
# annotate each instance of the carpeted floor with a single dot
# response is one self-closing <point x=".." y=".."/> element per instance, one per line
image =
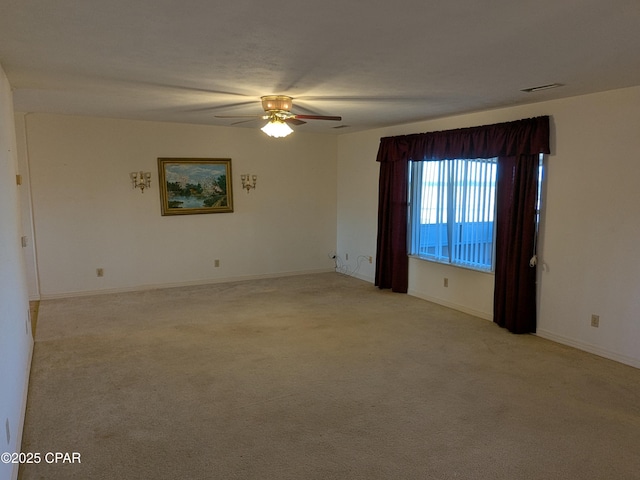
<point x="316" y="377"/>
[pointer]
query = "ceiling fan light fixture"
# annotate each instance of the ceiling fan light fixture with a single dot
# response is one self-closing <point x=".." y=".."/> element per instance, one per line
<point x="277" y="128"/>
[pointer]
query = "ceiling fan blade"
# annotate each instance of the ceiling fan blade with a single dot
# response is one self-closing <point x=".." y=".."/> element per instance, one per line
<point x="219" y="107"/>
<point x="239" y="116"/>
<point x="294" y="121"/>
<point x="244" y="121"/>
<point x="319" y="117"/>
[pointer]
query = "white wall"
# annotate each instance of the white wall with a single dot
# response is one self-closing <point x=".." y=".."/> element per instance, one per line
<point x="592" y="226"/>
<point x="357" y="203"/>
<point x="590" y="229"/>
<point x="15" y="335"/>
<point x="26" y="213"/>
<point x="87" y="215"/>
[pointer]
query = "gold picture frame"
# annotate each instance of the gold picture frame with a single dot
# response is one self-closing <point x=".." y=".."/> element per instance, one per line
<point x="191" y="186"/>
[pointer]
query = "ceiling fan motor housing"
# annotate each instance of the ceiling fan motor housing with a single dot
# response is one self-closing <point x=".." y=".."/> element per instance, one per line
<point x="277" y="109"/>
<point x="276" y="102"/>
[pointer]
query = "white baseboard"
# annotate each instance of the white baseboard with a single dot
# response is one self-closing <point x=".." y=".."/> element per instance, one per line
<point x="359" y="276"/>
<point x="454" y="306"/>
<point x="141" y="288"/>
<point x="601" y="352"/>
<point x="587" y="347"/>
<point x="634" y="362"/>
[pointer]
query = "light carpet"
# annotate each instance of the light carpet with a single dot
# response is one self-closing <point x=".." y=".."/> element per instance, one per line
<point x="316" y="377"/>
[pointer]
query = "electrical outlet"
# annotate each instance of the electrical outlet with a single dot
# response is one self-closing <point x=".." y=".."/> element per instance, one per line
<point x="595" y="320"/>
<point x="216" y="263"/>
<point x="446" y="282"/>
<point x="100" y="272"/>
<point x="370" y="259"/>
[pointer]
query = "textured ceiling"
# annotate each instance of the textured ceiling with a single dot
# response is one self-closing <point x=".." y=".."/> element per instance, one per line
<point x="375" y="63"/>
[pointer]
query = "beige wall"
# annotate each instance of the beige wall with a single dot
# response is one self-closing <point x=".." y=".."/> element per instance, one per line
<point x="15" y="333"/>
<point x="318" y="193"/>
<point x="87" y="215"/>
<point x="590" y="229"/>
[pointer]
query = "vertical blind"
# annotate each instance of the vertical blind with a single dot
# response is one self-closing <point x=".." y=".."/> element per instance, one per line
<point x="452" y="210"/>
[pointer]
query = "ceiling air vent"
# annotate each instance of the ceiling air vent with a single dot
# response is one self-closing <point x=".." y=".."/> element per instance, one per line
<point x="541" y="87"/>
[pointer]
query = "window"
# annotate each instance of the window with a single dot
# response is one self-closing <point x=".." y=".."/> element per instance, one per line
<point x="451" y="211"/>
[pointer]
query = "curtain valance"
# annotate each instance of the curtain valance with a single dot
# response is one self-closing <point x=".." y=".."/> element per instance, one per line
<point x="521" y="137"/>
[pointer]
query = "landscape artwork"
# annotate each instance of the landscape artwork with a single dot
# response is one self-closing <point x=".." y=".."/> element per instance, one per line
<point x="195" y="185"/>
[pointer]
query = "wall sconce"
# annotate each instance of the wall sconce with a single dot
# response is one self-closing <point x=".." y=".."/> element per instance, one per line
<point x="140" y="180"/>
<point x="248" y="181"/>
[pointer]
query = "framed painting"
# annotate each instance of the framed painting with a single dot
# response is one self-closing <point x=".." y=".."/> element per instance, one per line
<point x="195" y="185"/>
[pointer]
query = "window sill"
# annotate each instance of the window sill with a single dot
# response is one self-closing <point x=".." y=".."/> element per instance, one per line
<point x="430" y="260"/>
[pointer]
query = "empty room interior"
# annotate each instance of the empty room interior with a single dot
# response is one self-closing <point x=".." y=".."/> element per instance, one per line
<point x="217" y="258"/>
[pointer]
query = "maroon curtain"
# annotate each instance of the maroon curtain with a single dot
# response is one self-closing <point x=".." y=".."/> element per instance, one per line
<point x="392" y="269"/>
<point x="514" y="299"/>
<point x="519" y="141"/>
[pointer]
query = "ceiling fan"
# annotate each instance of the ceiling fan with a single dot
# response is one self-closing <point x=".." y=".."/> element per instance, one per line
<point x="277" y="110"/>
